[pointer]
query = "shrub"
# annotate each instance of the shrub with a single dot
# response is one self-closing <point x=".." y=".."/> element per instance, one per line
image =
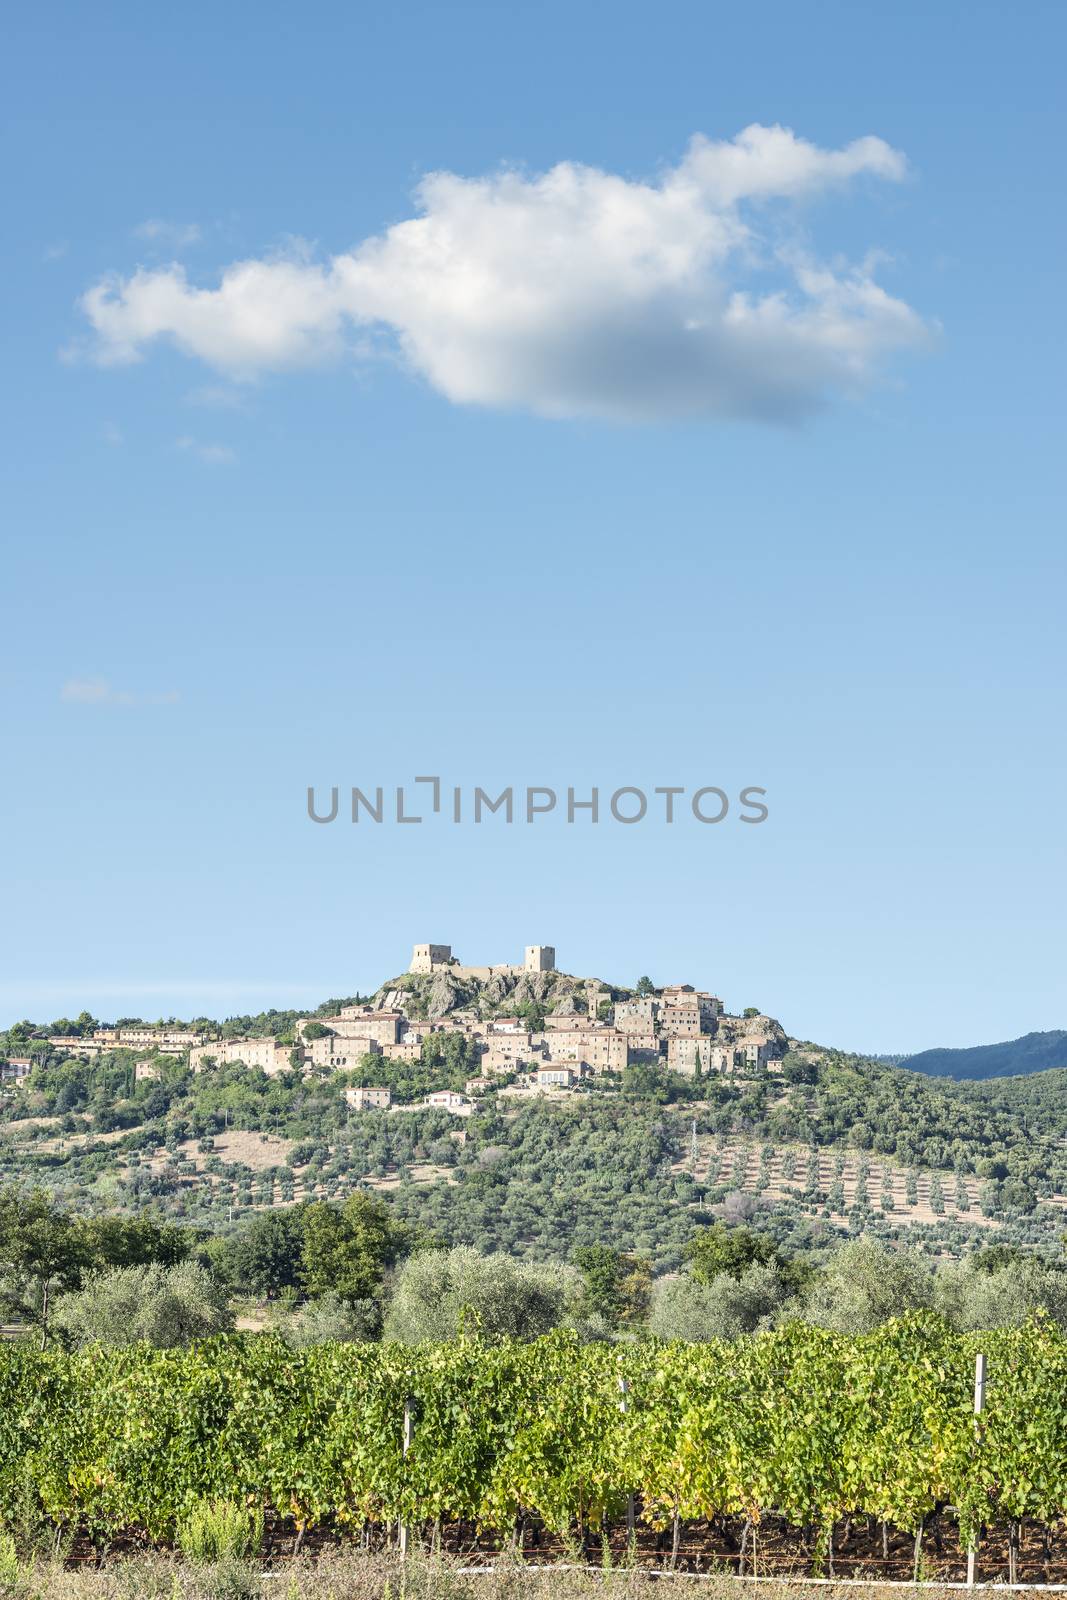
<point x="220" y="1530"/>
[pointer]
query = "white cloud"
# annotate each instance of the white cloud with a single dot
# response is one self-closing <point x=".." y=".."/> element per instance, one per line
<point x="215" y="455"/>
<point x="99" y="692"/>
<point x="573" y="293"/>
<point x="168" y="235"/>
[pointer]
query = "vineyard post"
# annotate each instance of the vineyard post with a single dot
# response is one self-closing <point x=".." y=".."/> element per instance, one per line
<point x="979" y="1402"/>
<point x="409" y="1434"/>
<point x="624" y="1406"/>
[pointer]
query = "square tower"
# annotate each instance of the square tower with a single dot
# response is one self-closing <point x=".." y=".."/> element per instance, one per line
<point x="540" y="958"/>
<point x="426" y="957"/>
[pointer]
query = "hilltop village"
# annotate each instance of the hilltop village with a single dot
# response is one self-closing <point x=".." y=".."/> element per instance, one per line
<point x="528" y="1027"/>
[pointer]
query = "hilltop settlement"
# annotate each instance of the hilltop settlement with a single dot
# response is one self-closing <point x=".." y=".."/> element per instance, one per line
<point x="527" y="1029"/>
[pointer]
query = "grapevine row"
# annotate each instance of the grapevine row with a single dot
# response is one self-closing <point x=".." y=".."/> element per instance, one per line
<point x="804" y="1423"/>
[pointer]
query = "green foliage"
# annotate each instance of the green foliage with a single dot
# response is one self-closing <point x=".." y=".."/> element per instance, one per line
<point x="864" y="1285"/>
<point x="11" y="1573"/>
<point x="220" y="1530"/>
<point x="532" y="1014"/>
<point x="262" y="1258"/>
<point x="723" y="1307"/>
<point x="41" y="1254"/>
<point x="167" y="1306"/>
<point x="802" y="1421"/>
<point x="722" y="1249"/>
<point x="617" y="1287"/>
<point x="345" y="1250"/>
<point x="115" y="1241"/>
<point x="442" y="1294"/>
<point x="330" y="1320"/>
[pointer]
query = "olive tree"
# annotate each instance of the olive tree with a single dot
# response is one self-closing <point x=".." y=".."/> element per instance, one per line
<point x="686" y="1308"/>
<point x="440" y="1294"/>
<point x="166" y="1305"/>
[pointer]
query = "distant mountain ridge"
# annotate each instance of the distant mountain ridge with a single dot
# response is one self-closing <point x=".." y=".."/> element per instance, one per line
<point x="1034" y="1052"/>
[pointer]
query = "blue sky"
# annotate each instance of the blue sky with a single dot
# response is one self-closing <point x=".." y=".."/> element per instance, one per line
<point x="639" y="473"/>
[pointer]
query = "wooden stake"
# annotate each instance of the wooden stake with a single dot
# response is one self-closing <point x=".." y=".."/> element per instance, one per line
<point x="409" y="1434"/>
<point x="979" y="1402"/>
<point x="624" y="1406"/>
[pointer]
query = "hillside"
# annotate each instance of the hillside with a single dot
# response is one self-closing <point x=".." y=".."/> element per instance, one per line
<point x="1034" y="1052"/>
<point x="809" y="1141"/>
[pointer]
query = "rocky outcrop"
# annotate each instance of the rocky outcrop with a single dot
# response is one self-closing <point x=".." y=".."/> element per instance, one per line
<point x="438" y="995"/>
<point x="736" y="1030"/>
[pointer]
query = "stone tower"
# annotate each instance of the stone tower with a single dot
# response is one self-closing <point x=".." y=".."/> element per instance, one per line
<point x="540" y="958"/>
<point x="426" y="957"/>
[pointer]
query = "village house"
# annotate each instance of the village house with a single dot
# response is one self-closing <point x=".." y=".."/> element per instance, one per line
<point x="449" y="1100"/>
<point x="265" y="1053"/>
<point x="357" y="1022"/>
<point x="166" y="1041"/>
<point x="602" y="1049"/>
<point x="688" y="1013"/>
<point x="369" y="1099"/>
<point x="501" y="1058"/>
<point x="340" y="1055"/>
<point x="637" y="1015"/>
<point x="560" y="1076"/>
<point x="15" y="1070"/>
<point x="409" y="1050"/>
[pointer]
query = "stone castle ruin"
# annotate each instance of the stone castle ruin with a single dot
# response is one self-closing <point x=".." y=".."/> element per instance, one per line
<point x="439" y="958"/>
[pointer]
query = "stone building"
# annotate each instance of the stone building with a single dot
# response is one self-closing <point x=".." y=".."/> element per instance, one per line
<point x="637" y="1015"/>
<point x="562" y="1075"/>
<point x="370" y="1099"/>
<point x="686" y="1013"/>
<point x="358" y="1022"/>
<point x="340" y="1055"/>
<point x="267" y="1054"/>
<point x="540" y="958"/>
<point x="428" y="957"/>
<point x="599" y="1048"/>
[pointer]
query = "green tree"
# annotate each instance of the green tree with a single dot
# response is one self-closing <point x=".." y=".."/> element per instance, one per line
<point x="616" y="1286"/>
<point x="346" y="1250"/>
<point x="642" y="1081"/>
<point x="331" y="1321"/>
<point x="724" y="1249"/>
<point x="532" y="1013"/>
<point x="168" y="1306"/>
<point x="440" y="1294"/>
<point x="264" y="1256"/>
<point x="725" y="1308"/>
<point x="117" y="1241"/>
<point x="864" y="1285"/>
<point x="41" y="1254"/>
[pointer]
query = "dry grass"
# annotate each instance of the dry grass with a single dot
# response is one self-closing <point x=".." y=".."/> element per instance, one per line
<point x="256" y="1151"/>
<point x="367" y="1576"/>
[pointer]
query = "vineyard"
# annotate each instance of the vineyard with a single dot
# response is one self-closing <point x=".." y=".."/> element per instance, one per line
<point x="795" y="1449"/>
